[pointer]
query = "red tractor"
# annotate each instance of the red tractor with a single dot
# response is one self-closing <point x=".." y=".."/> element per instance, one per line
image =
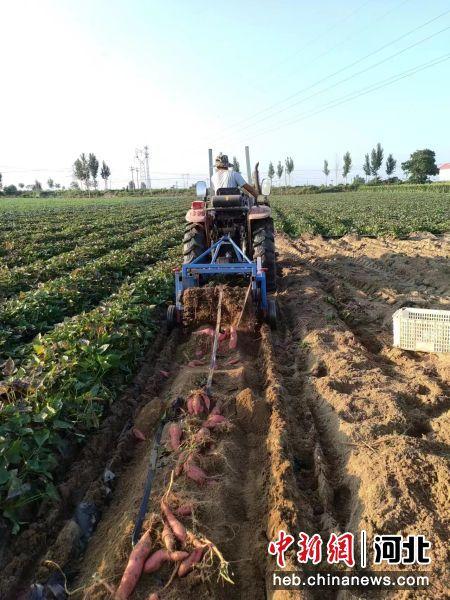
<point x="247" y="221"/>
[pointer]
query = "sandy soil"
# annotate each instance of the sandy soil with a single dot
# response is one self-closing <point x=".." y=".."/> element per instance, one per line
<point x="332" y="429"/>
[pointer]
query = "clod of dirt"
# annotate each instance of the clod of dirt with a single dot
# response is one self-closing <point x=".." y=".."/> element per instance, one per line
<point x="200" y="306"/>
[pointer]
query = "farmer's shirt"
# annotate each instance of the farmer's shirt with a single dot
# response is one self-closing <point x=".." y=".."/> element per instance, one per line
<point x="224" y="178"/>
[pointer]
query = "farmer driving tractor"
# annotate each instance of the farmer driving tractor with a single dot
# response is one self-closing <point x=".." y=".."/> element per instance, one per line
<point x="226" y="178"/>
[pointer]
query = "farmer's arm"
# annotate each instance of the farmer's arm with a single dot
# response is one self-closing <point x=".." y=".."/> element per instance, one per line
<point x="251" y="190"/>
<point x="240" y="181"/>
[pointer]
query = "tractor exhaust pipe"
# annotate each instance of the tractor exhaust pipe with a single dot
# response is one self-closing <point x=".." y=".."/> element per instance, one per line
<point x="249" y="169"/>
<point x="210" y="157"/>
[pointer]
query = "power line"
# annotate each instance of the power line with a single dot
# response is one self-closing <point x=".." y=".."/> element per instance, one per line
<point x="358" y="93"/>
<point x="376" y="51"/>
<point x="362" y="71"/>
<point x="321" y="35"/>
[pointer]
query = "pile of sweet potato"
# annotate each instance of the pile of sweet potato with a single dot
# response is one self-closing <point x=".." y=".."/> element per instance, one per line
<point x="167" y="540"/>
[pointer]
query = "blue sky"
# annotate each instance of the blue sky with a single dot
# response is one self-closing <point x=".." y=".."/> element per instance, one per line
<point x="109" y="75"/>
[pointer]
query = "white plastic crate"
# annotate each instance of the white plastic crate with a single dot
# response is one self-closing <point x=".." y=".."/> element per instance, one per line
<point x="422" y="329"/>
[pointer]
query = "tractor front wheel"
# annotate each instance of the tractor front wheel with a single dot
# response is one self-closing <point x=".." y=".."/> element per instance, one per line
<point x="194" y="241"/>
<point x="263" y="241"/>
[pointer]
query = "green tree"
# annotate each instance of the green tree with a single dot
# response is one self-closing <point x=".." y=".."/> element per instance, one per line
<point x="391" y="163"/>
<point x="421" y="165"/>
<point x="376" y="160"/>
<point x="280" y="170"/>
<point x="236" y="166"/>
<point x="105" y="173"/>
<point x="366" y="166"/>
<point x="37" y="186"/>
<point x="289" y="164"/>
<point x="50" y="183"/>
<point x="21" y="185"/>
<point x="1" y="182"/>
<point x="326" y="171"/>
<point x="10" y="190"/>
<point x="81" y="170"/>
<point x="93" y="168"/>
<point x="347" y="165"/>
<point x="271" y="171"/>
<point x="131" y="186"/>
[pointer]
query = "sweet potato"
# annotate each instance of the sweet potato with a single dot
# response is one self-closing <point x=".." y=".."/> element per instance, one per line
<point x="175" y="434"/>
<point x="185" y="510"/>
<point x="178" y="555"/>
<point x="188" y="564"/>
<point x="206" y="400"/>
<point x="217" y="409"/>
<point x="223" y="336"/>
<point x="196" y="363"/>
<point x="233" y="338"/>
<point x="134" y="568"/>
<point x="178" y="529"/>
<point x="202" y="437"/>
<point x="206" y="331"/>
<point x="156" y="561"/>
<point x="138" y="434"/>
<point x="194" y="472"/>
<point x="197" y="404"/>
<point x="168" y="538"/>
<point x="179" y="464"/>
<point x="214" y="420"/>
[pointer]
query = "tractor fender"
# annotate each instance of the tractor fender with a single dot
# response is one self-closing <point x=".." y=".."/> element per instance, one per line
<point x="196" y="215"/>
<point x="259" y="212"/>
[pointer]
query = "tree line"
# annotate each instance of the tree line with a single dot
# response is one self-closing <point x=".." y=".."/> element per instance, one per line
<point x="85" y="170"/>
<point x="418" y="168"/>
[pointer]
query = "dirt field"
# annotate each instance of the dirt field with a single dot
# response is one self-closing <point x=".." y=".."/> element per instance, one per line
<point x="331" y="429"/>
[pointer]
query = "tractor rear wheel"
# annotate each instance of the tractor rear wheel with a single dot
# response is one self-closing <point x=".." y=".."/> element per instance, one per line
<point x="194" y="241"/>
<point x="263" y="240"/>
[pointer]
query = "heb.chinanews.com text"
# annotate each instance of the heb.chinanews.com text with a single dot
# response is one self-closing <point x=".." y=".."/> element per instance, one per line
<point x="291" y="580"/>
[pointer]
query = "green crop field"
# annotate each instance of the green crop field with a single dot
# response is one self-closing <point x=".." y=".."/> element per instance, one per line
<point x="82" y="283"/>
<point x="80" y="286"/>
<point x="373" y="211"/>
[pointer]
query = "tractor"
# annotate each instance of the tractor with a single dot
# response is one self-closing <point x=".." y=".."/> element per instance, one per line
<point x="228" y="234"/>
<point x="248" y="222"/>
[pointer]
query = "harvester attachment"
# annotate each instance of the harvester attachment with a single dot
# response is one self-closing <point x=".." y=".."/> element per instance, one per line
<point x="223" y="259"/>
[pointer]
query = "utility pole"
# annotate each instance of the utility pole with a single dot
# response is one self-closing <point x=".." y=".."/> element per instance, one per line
<point x="336" y="168"/>
<point x="132" y="174"/>
<point x="185" y="177"/>
<point x="147" y="169"/>
<point x="137" y="171"/>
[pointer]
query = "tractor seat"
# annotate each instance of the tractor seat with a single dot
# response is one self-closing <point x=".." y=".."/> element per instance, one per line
<point x="232" y="191"/>
<point x="227" y="198"/>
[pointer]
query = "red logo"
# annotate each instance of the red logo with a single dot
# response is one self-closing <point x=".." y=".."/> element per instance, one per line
<point x="340" y="549"/>
<point x="279" y="547"/>
<point x="310" y="548"/>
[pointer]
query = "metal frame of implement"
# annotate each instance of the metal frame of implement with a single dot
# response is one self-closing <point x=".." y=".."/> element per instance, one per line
<point x="189" y="274"/>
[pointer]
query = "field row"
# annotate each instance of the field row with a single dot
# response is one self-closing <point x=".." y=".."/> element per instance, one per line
<point x="366" y="213"/>
<point x="37" y="310"/>
<point x="66" y="379"/>
<point x="26" y="277"/>
<point x="81" y="286"/>
<point x="40" y="235"/>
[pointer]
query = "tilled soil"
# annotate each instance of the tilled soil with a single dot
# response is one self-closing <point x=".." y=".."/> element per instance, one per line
<point x="332" y="429"/>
